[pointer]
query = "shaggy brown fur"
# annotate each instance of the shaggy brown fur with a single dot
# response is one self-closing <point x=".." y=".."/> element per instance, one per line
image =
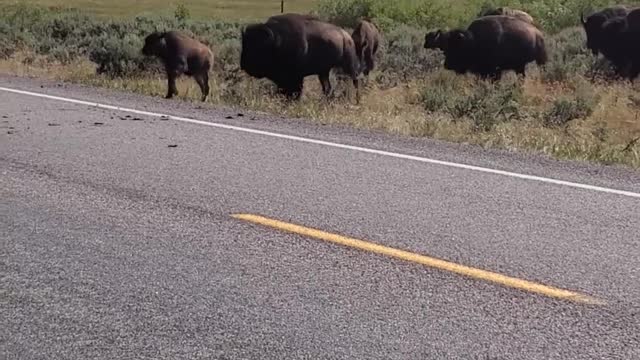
<point x="180" y="55"/>
<point x="289" y="47"/>
<point x="492" y="44"/>
<point x="367" y="38"/>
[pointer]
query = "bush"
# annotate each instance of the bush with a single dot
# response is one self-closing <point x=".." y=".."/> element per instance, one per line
<point x="489" y="104"/>
<point x="568" y="56"/>
<point x="564" y="110"/>
<point x="403" y="57"/>
<point x="442" y="91"/>
<point x="483" y="102"/>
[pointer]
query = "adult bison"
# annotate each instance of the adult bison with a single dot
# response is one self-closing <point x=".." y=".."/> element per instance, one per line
<point x="436" y="39"/>
<point x="288" y="47"/>
<point x="367" y="38"/>
<point x="492" y="44"/>
<point x="503" y="10"/>
<point x="621" y="45"/>
<point x="593" y="24"/>
<point x="180" y="55"/>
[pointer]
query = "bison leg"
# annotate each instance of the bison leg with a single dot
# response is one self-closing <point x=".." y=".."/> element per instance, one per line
<point x="203" y="82"/>
<point x="171" y="84"/>
<point x="292" y="89"/>
<point x="520" y="69"/>
<point x="369" y="63"/>
<point x="326" y="83"/>
<point x="635" y="70"/>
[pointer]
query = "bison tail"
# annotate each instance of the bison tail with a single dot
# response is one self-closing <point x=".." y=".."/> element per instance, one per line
<point x="541" y="51"/>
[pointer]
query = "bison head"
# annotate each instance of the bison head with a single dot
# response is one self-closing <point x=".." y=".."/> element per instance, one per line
<point x="436" y="40"/>
<point x="615" y="32"/>
<point x="154" y="44"/>
<point x="593" y="28"/>
<point x="259" y="45"/>
<point x="459" y="50"/>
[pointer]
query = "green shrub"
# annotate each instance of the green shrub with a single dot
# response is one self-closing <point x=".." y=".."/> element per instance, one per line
<point x="442" y="91"/>
<point x="403" y="57"/>
<point x="117" y="57"/>
<point x="489" y="104"/>
<point x="580" y="106"/>
<point x="485" y="103"/>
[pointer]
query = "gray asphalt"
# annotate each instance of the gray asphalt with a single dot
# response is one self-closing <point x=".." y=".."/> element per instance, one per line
<point x="117" y="241"/>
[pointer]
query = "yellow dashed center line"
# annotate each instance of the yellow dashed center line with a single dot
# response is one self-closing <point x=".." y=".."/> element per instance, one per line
<point x="464" y="270"/>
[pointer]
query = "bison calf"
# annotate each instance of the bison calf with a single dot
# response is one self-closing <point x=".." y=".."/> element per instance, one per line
<point x="180" y="55"/>
<point x="492" y="44"/>
<point x="289" y="47"/>
<point x="367" y="38"/>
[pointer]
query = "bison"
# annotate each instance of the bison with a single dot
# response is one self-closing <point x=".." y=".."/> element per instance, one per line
<point x="519" y="14"/>
<point x="180" y="55"/>
<point x="436" y="39"/>
<point x="621" y="45"/>
<point x="367" y="38"/>
<point x="288" y="47"/>
<point x="593" y="25"/>
<point x="492" y="44"/>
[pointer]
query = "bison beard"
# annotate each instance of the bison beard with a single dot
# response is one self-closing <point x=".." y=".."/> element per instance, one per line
<point x="289" y="47"/>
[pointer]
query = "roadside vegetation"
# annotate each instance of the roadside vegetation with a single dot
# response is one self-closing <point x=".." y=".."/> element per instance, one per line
<point x="573" y="108"/>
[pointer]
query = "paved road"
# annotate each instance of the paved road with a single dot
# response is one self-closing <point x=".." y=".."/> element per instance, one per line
<point x="117" y="241"/>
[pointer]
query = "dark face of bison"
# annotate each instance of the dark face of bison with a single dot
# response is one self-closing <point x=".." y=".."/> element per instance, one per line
<point x="436" y="40"/>
<point x="614" y="30"/>
<point x="459" y="51"/>
<point x="593" y="29"/>
<point x="154" y="44"/>
<point x="431" y="40"/>
<point x="259" y="43"/>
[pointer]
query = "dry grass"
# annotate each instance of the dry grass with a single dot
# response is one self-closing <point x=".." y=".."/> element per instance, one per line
<point x="606" y="136"/>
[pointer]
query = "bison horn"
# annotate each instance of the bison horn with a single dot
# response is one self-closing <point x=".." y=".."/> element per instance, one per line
<point x="582" y="18"/>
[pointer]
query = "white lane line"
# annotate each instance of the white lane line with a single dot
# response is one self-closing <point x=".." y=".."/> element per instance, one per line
<point x="335" y="145"/>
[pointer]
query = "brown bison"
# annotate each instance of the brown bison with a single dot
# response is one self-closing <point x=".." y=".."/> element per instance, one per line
<point x="180" y="55"/>
<point x="289" y="47"/>
<point x="621" y="43"/>
<point x="367" y="38"/>
<point x="509" y="12"/>
<point x="492" y="44"/>
<point x="436" y="39"/>
<point x="593" y="25"/>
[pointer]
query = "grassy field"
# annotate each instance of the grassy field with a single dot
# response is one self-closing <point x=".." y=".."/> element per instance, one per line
<point x="570" y="109"/>
<point x="199" y="9"/>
